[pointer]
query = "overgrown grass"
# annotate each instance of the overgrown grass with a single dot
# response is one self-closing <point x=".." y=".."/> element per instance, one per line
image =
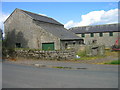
<point x="81" y="53"/>
<point x="83" y="56"/>
<point x="90" y="58"/>
<point x="111" y="53"/>
<point x="34" y="49"/>
<point x="27" y="49"/>
<point x="113" y="62"/>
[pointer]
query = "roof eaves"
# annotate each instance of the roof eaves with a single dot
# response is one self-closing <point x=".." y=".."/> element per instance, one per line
<point x="70" y="39"/>
<point x="95" y="32"/>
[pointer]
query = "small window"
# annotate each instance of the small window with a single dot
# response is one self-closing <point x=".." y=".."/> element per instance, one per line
<point x="92" y="34"/>
<point x="101" y="34"/>
<point x="83" y="35"/>
<point x="110" y="33"/>
<point x="18" y="45"/>
<point x="94" y="41"/>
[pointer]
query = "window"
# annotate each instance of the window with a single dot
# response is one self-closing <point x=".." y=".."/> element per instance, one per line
<point x="101" y="34"/>
<point x="110" y="33"/>
<point x="83" y="35"/>
<point x="94" y="41"/>
<point x="18" y="45"/>
<point x="92" y="34"/>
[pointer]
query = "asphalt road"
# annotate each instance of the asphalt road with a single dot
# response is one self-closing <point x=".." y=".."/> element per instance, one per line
<point x="21" y="76"/>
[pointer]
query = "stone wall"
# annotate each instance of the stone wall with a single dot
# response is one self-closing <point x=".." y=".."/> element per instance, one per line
<point x="93" y="50"/>
<point x="106" y="40"/>
<point x="102" y="39"/>
<point x="43" y="55"/>
<point x="20" y="28"/>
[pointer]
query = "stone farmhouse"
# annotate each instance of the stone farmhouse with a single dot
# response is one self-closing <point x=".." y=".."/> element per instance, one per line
<point x="24" y="29"/>
<point x="99" y="34"/>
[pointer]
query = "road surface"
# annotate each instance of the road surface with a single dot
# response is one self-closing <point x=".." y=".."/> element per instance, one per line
<point x="21" y="76"/>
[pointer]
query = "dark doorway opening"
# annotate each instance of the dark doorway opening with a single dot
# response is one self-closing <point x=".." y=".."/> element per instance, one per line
<point x="18" y="45"/>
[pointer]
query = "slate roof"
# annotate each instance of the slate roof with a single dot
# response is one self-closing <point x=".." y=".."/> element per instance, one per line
<point x="55" y="27"/>
<point x="41" y="18"/>
<point x="60" y="32"/>
<point x="96" y="28"/>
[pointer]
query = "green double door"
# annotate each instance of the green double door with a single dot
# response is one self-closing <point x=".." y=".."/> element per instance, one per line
<point x="47" y="46"/>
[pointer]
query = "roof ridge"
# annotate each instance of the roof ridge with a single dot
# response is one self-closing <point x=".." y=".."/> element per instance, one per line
<point x="35" y="13"/>
<point x="42" y="18"/>
<point x="95" y="25"/>
<point x="91" y="29"/>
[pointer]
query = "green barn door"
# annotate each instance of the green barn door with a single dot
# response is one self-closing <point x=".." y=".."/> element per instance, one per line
<point x="47" y="46"/>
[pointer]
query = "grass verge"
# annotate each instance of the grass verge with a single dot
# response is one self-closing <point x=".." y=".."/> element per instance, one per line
<point x="116" y="62"/>
<point x="83" y="55"/>
<point x="60" y="67"/>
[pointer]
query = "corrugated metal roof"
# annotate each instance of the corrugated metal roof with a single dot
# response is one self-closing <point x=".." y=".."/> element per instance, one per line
<point x="41" y="18"/>
<point x="96" y="28"/>
<point x="59" y="31"/>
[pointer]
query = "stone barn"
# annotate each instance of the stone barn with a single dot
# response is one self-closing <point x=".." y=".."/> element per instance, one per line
<point x="25" y="29"/>
<point x="100" y="34"/>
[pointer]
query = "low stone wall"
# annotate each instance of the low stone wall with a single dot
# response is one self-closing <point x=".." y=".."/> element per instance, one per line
<point x="93" y="50"/>
<point x="43" y="55"/>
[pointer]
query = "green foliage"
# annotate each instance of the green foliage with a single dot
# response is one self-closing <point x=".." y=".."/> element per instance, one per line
<point x="113" y="62"/>
<point x="27" y="49"/>
<point x="108" y="52"/>
<point x="81" y="53"/>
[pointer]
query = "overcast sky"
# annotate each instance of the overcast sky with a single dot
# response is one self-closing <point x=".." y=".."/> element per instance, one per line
<point x="68" y="13"/>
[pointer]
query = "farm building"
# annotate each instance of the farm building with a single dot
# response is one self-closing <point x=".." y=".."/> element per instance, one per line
<point x="24" y="29"/>
<point x="100" y="34"/>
